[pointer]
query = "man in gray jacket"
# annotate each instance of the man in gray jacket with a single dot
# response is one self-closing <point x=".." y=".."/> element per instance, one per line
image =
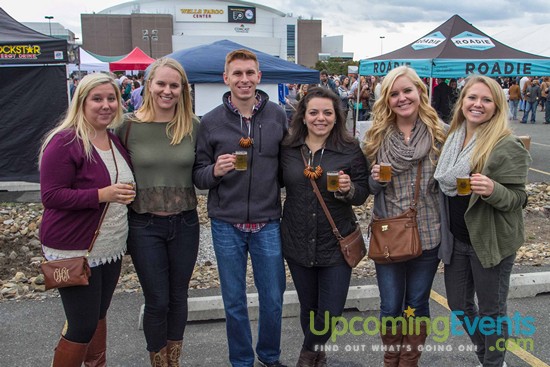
<point x="244" y="206"/>
<point x="532" y="95"/>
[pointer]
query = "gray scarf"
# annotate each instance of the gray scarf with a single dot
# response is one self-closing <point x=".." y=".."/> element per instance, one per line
<point x="404" y="156"/>
<point x="454" y="161"/>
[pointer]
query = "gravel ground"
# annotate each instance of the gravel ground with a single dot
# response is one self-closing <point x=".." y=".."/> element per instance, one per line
<point x="20" y="249"/>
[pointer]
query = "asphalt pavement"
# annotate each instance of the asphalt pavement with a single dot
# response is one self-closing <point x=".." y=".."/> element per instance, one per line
<point x="30" y="329"/>
<point x="540" y="146"/>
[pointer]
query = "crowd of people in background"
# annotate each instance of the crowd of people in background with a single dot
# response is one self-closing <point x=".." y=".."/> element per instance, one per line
<point x="359" y="93"/>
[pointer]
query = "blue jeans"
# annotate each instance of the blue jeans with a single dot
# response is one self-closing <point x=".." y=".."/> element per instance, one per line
<point x="164" y="251"/>
<point x="532" y="108"/>
<point x="514" y="109"/>
<point x="232" y="247"/>
<point x="522" y="103"/>
<point x="407" y="284"/>
<point x="466" y="277"/>
<point x="547" y="110"/>
<point x="321" y="290"/>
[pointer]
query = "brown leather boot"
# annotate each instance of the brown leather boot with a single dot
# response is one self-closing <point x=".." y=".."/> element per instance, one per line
<point x="321" y="360"/>
<point x="307" y="358"/>
<point x="412" y="344"/>
<point x="173" y="351"/>
<point x="69" y="354"/>
<point x="159" y="359"/>
<point x="97" y="348"/>
<point x="392" y="345"/>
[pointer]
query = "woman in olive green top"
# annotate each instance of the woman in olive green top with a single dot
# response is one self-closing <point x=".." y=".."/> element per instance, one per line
<point x="163" y="234"/>
<point x="482" y="230"/>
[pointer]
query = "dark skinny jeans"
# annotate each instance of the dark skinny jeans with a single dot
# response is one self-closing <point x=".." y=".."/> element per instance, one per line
<point x="85" y="306"/>
<point x="164" y="251"/>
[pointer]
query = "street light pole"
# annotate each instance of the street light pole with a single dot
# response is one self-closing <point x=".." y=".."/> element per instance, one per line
<point x="49" y="17"/>
<point x="150" y="37"/>
<point x="381" y="42"/>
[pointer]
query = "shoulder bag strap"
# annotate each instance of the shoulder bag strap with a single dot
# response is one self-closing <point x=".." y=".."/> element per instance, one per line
<point x="322" y="202"/>
<point x="417" y="185"/>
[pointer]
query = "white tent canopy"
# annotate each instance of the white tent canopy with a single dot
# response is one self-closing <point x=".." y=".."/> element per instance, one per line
<point x="89" y="64"/>
<point x="527" y="38"/>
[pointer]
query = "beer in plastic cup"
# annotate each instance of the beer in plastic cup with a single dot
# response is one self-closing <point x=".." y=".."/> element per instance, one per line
<point x="130" y="183"/>
<point x="241" y="162"/>
<point x="463" y="186"/>
<point x="385" y="172"/>
<point x="332" y="181"/>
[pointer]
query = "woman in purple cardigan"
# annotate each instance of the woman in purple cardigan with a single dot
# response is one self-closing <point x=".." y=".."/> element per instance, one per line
<point x="82" y="166"/>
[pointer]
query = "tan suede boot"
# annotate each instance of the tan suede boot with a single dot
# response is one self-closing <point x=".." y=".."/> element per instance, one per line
<point x="159" y="359"/>
<point x="97" y="348"/>
<point x="173" y="351"/>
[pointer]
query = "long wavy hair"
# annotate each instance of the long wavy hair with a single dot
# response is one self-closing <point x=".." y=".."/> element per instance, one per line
<point x="74" y="118"/>
<point x="181" y="124"/>
<point x="298" y="131"/>
<point x="385" y="119"/>
<point x="492" y="131"/>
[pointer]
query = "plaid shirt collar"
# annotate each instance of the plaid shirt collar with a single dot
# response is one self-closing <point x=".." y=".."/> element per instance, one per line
<point x="256" y="107"/>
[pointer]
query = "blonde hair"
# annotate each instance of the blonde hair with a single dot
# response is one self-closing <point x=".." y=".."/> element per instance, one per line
<point x="384" y="117"/>
<point x="75" y="119"/>
<point x="181" y="124"/>
<point x="492" y="131"/>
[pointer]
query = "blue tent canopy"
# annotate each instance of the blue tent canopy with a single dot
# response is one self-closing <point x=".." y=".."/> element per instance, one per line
<point x="205" y="64"/>
<point x="455" y="49"/>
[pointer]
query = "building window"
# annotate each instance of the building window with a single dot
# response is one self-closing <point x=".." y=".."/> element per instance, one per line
<point x="291" y="42"/>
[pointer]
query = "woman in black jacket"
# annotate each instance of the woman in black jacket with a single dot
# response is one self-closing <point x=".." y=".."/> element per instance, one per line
<point x="318" y="143"/>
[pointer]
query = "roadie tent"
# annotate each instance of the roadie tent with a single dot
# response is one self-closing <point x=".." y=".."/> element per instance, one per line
<point x="135" y="60"/>
<point x="88" y="63"/>
<point x="33" y="95"/>
<point x="455" y="49"/>
<point x="204" y="66"/>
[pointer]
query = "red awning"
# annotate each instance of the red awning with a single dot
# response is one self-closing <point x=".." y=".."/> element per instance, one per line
<point x="135" y="60"/>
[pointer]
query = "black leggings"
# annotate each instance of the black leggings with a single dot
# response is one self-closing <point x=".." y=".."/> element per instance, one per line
<point x="85" y="306"/>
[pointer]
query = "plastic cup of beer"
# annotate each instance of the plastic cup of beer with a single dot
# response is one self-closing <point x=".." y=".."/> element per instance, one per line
<point x="332" y="181"/>
<point x="385" y="172"/>
<point x="463" y="186"/>
<point x="130" y="183"/>
<point x="241" y="162"/>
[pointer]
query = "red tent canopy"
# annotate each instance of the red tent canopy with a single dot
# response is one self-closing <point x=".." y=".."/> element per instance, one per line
<point x="135" y="60"/>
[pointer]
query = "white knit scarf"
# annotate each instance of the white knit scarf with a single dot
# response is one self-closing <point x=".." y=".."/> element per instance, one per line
<point x="454" y="161"/>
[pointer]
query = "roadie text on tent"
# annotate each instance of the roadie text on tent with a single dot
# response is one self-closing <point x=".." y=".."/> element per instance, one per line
<point x="498" y="68"/>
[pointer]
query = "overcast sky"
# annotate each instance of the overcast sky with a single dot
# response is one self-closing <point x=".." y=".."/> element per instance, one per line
<point x="362" y="22"/>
